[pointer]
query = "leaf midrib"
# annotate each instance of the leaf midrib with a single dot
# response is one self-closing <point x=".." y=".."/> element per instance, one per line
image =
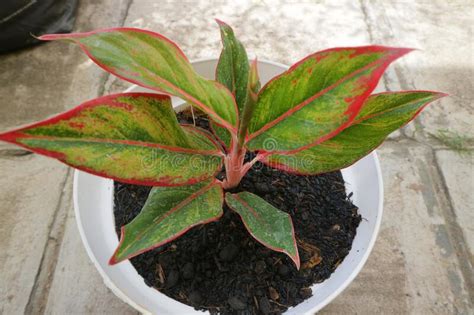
<point x="177" y="207"/>
<point x="133" y="143"/>
<point x="312" y="98"/>
<point x="374" y="115"/>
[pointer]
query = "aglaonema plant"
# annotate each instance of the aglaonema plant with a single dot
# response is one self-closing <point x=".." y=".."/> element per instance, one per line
<point x="317" y="116"/>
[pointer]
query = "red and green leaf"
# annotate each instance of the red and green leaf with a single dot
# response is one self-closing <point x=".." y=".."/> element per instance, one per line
<point x="380" y="115"/>
<point x="233" y="72"/>
<point x="132" y="137"/>
<point x="316" y="117"/>
<point x="249" y="107"/>
<point x="317" y="97"/>
<point x="168" y="213"/>
<point x="153" y="61"/>
<point x="268" y="225"/>
<point x="233" y="65"/>
<point x="245" y="115"/>
<point x="222" y="134"/>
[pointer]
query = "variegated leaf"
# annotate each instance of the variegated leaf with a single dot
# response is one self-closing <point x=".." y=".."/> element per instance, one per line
<point x="317" y="97"/>
<point x="222" y="134"/>
<point x="168" y="213"/>
<point x="268" y="225"/>
<point x="233" y="72"/>
<point x="254" y="77"/>
<point x="233" y="65"/>
<point x="380" y="115"/>
<point x="132" y="137"/>
<point x="253" y="88"/>
<point x="153" y="61"/>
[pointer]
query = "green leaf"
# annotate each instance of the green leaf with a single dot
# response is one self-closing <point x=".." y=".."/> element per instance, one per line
<point x="233" y="66"/>
<point x="253" y="88"/>
<point x="222" y="134"/>
<point x="168" y="213"/>
<point x="233" y="72"/>
<point x="254" y="78"/>
<point x="317" y="97"/>
<point x="132" y="137"/>
<point x="380" y="115"/>
<point x="268" y="225"/>
<point x="153" y="61"/>
<point x="249" y="107"/>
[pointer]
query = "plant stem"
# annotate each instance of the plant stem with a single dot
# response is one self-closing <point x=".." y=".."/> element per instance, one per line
<point x="247" y="166"/>
<point x="234" y="161"/>
<point x="247" y="112"/>
<point x="236" y="169"/>
<point x="233" y="165"/>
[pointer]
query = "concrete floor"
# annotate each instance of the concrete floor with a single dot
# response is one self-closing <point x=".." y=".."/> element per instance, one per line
<point x="422" y="261"/>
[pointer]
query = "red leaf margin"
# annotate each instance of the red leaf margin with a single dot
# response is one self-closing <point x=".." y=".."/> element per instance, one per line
<point x="354" y="108"/>
<point x="291" y="170"/>
<point x="72" y="36"/>
<point x="295" y="259"/>
<point x="114" y="261"/>
<point x="13" y="135"/>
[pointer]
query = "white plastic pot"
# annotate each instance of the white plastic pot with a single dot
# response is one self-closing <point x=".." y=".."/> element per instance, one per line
<point x="93" y="205"/>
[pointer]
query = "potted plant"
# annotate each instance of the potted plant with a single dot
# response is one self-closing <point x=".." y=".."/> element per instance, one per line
<point x="231" y="159"/>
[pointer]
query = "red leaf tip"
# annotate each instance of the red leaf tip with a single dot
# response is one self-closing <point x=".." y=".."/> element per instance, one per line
<point x="10" y="136"/>
<point x="220" y="22"/>
<point x="44" y="37"/>
<point x="441" y="95"/>
<point x="296" y="260"/>
<point x="59" y="36"/>
<point x="390" y="52"/>
<point x="113" y="261"/>
<point x="400" y="51"/>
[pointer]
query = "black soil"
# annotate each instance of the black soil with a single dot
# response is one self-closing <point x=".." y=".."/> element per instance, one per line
<point x="219" y="267"/>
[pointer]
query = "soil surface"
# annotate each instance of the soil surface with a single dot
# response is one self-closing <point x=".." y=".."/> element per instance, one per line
<point x="219" y="266"/>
